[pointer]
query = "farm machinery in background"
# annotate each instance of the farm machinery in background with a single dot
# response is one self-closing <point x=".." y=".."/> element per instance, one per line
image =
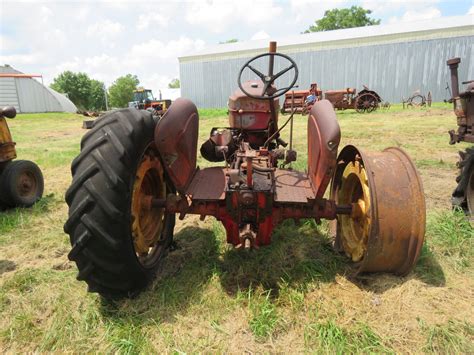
<point x="301" y="100"/>
<point x="134" y="175"/>
<point x="143" y="99"/>
<point x="363" y="102"/>
<point x="463" y="102"/>
<point x="21" y="181"/>
<point x="417" y="100"/>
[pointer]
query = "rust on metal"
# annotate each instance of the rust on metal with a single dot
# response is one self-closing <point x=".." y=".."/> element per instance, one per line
<point x="176" y="137"/>
<point x="147" y="222"/>
<point x="7" y="146"/>
<point x="386" y="229"/>
<point x="292" y="187"/>
<point x="324" y="136"/>
<point x="365" y="101"/>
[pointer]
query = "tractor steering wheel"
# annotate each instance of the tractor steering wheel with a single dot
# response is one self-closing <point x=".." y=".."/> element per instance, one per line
<point x="268" y="80"/>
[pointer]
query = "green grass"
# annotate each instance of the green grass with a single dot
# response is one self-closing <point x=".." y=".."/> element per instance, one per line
<point x="328" y="337"/>
<point x="297" y="294"/>
<point x="454" y="337"/>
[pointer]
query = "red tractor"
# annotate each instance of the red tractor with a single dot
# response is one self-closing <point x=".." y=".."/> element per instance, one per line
<point x="134" y="175"/>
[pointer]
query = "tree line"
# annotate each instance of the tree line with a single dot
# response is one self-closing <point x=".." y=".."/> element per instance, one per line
<point x="90" y="94"/>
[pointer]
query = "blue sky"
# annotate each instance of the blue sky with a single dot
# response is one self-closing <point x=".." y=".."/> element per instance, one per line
<point x="107" y="39"/>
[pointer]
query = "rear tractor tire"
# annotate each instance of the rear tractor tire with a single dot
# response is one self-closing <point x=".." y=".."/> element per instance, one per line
<point x="21" y="184"/>
<point x="463" y="195"/>
<point x="118" y="241"/>
<point x="386" y="229"/>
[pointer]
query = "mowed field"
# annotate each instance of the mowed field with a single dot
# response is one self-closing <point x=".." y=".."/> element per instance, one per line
<point x="296" y="295"/>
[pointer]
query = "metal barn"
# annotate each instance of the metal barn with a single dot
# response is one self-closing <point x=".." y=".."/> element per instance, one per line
<point x="29" y="95"/>
<point x="395" y="60"/>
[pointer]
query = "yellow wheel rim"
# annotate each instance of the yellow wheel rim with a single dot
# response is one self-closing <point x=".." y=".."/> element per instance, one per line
<point x="147" y="222"/>
<point x="355" y="228"/>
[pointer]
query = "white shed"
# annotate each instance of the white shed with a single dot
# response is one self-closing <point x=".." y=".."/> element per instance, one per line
<point x="28" y="95"/>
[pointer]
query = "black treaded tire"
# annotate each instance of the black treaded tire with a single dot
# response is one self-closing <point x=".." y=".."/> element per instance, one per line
<point x="466" y="172"/>
<point x="99" y="200"/>
<point x="14" y="193"/>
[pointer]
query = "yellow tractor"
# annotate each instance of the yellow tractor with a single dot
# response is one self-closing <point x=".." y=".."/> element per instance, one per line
<point x="21" y="181"/>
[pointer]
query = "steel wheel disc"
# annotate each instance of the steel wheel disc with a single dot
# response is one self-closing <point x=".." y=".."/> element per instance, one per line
<point x="386" y="232"/>
<point x="355" y="228"/>
<point x="147" y="222"/>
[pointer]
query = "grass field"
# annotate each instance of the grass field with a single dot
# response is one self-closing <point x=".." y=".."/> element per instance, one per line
<point x="296" y="295"/>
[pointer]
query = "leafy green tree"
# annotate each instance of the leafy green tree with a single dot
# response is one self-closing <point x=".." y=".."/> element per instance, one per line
<point x="121" y="91"/>
<point x="77" y="86"/>
<point x="174" y="84"/>
<point x="335" y="19"/>
<point x="97" y="96"/>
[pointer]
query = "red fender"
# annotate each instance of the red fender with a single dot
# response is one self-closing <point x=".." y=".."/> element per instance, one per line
<point x="324" y="136"/>
<point x="176" y="136"/>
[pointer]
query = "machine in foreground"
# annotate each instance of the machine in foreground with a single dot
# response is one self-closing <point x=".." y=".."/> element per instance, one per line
<point x="463" y="195"/>
<point x="134" y="175"/>
<point x="21" y="181"/>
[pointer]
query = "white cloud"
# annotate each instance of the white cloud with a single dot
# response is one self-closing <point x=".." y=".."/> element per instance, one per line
<point x="104" y="29"/>
<point x="386" y="7"/>
<point x="471" y="10"/>
<point x="260" y="35"/>
<point x="153" y="49"/>
<point x="151" y="19"/>
<point x="305" y="12"/>
<point x="219" y="15"/>
<point x="413" y="15"/>
<point x="21" y="59"/>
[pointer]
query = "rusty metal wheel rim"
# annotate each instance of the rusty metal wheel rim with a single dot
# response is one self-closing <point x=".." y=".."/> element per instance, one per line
<point x="355" y="228"/>
<point x="366" y="103"/>
<point x="148" y="222"/>
<point x="27" y="185"/>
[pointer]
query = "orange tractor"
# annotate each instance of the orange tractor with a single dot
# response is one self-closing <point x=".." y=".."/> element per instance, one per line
<point x="143" y="99"/>
<point x="21" y="181"/>
<point x="134" y="175"/>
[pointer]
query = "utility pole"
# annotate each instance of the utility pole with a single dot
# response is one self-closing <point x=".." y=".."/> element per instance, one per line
<point x="106" y="100"/>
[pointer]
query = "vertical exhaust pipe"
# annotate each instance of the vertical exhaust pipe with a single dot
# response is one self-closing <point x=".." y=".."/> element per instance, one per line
<point x="453" y="67"/>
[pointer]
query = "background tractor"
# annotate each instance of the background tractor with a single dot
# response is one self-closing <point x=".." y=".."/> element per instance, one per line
<point x="134" y="175"/>
<point x="21" y="181"/>
<point x="463" y="195"/>
<point x="363" y="102"/>
<point x="143" y="99"/>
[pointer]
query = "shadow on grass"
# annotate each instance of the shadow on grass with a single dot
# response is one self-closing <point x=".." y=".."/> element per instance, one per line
<point x="299" y="255"/>
<point x="6" y="266"/>
<point x="181" y="278"/>
<point x="427" y="270"/>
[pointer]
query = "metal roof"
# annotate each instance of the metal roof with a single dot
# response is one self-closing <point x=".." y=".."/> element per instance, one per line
<point x="465" y="24"/>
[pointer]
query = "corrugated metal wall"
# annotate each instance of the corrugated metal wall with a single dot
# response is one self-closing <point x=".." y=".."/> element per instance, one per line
<point x="29" y="95"/>
<point x="8" y="93"/>
<point x="394" y="70"/>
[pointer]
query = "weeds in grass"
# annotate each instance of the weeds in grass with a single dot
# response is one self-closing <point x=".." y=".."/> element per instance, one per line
<point x="20" y="217"/>
<point x="455" y="337"/>
<point x="264" y="316"/>
<point x="451" y="235"/>
<point x="328" y="337"/>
